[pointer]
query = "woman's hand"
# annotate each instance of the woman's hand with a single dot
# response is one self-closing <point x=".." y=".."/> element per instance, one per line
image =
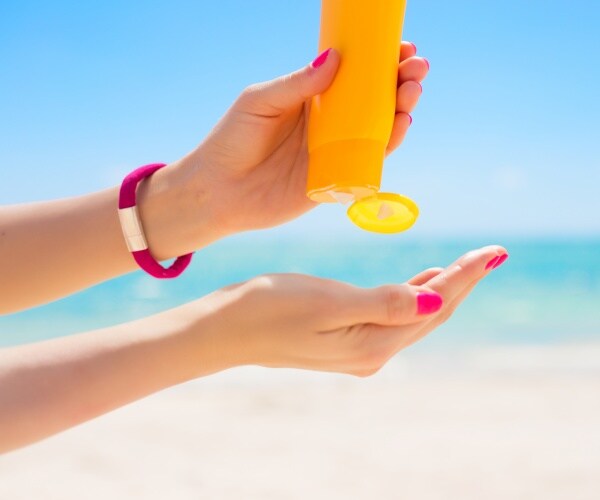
<point x="254" y="162"/>
<point x="305" y="322"/>
<point x="276" y="321"/>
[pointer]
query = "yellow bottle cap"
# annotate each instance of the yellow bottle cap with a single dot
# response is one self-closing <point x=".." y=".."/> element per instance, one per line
<point x="384" y="213"/>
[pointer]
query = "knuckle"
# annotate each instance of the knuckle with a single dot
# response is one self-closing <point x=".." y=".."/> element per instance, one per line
<point x="443" y="278"/>
<point x="246" y="95"/>
<point x="250" y="91"/>
<point x="261" y="284"/>
<point x="468" y="265"/>
<point x="461" y="267"/>
<point x="250" y="96"/>
<point x="434" y="270"/>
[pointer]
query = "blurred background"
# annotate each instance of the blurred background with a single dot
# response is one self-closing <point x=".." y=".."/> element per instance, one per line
<point x="501" y="402"/>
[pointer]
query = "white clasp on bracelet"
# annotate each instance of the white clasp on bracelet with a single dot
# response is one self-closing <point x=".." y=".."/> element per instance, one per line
<point x="132" y="229"/>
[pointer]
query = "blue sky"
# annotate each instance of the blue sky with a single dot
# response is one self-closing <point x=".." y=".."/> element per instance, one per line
<point x="504" y="142"/>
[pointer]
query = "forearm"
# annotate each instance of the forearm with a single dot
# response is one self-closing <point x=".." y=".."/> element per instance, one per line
<point x="52" y="249"/>
<point x="51" y="386"/>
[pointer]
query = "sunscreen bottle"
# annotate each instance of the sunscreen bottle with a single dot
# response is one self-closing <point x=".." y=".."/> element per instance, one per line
<point x="351" y="122"/>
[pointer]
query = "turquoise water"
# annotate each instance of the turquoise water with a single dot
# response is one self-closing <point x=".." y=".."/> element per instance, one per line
<point x="548" y="291"/>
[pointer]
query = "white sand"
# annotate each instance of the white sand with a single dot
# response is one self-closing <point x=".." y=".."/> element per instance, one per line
<point x="511" y="423"/>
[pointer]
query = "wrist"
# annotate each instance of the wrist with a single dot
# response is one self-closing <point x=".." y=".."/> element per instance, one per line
<point x="177" y="217"/>
<point x="223" y="189"/>
<point x="247" y="323"/>
<point x="212" y="333"/>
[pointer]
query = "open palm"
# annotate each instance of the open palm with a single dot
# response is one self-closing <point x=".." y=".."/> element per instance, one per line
<point x="299" y="321"/>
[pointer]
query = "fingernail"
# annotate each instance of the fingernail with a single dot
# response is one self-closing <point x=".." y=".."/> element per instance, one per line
<point x="501" y="260"/>
<point x="410" y="118"/>
<point x="321" y="58"/>
<point x="414" y="46"/>
<point x="420" y="86"/>
<point x="428" y="303"/>
<point x="426" y="62"/>
<point x="492" y="263"/>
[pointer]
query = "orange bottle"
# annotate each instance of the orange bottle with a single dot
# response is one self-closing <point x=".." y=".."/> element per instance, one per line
<point x="351" y="122"/>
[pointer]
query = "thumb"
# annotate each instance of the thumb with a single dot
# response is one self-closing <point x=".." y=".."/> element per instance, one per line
<point x="391" y="305"/>
<point x="290" y="91"/>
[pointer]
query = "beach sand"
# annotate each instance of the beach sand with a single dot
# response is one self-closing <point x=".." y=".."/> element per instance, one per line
<point x="490" y="423"/>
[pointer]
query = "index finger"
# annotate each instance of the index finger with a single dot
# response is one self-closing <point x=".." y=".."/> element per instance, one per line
<point x="469" y="268"/>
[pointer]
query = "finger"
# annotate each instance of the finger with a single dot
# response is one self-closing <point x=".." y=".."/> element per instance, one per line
<point x="407" y="49"/>
<point x="289" y="91"/>
<point x="407" y="96"/>
<point x="402" y="122"/>
<point x="469" y="268"/>
<point x="424" y="276"/>
<point x="453" y="305"/>
<point x="449" y="308"/>
<point x="387" y="305"/>
<point x="413" y="68"/>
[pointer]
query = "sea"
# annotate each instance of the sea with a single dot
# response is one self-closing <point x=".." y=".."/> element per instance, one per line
<point x="548" y="292"/>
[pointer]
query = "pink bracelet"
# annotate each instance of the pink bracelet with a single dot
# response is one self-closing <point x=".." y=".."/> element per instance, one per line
<point x="134" y="232"/>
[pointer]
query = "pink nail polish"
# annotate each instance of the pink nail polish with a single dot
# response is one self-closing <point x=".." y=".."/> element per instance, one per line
<point x="426" y="62"/>
<point x="321" y="58"/>
<point x="414" y="46"/>
<point x="410" y="118"/>
<point x="428" y="303"/>
<point x="501" y="260"/>
<point x="492" y="263"/>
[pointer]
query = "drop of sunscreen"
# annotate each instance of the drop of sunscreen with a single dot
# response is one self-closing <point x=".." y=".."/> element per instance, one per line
<point x="385" y="211"/>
